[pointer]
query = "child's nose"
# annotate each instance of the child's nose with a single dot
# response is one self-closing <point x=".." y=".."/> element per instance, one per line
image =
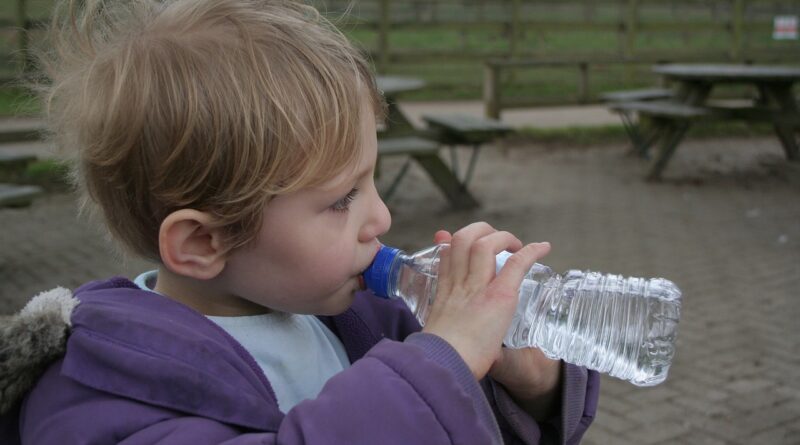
<point x="378" y="222"/>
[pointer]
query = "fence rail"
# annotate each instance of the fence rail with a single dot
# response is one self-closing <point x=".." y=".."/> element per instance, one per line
<point x="404" y="55"/>
<point x="495" y="103"/>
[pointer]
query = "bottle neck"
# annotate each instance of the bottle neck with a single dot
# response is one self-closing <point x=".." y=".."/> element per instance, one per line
<point x="393" y="274"/>
<point x="379" y="275"/>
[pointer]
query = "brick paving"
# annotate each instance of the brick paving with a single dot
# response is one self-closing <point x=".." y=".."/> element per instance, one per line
<point x="724" y="225"/>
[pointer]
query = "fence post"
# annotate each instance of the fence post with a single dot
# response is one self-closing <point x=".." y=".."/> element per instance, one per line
<point x="516" y="29"/>
<point x="631" y="20"/>
<point x="491" y="95"/>
<point x="22" y="35"/>
<point x="583" y="85"/>
<point x="384" y="26"/>
<point x="737" y="30"/>
<point x="631" y="23"/>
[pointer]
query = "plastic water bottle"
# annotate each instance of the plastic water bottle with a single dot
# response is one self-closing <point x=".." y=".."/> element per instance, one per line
<point x="625" y="327"/>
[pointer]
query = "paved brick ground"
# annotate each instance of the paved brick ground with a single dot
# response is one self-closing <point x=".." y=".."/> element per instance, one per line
<point x="724" y="225"/>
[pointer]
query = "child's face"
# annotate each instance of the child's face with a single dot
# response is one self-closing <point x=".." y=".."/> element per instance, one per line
<point x="314" y="243"/>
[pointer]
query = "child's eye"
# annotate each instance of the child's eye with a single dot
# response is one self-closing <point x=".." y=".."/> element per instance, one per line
<point x="343" y="204"/>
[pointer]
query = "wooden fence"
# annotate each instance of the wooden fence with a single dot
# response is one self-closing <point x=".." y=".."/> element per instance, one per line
<point x="495" y="102"/>
<point x="405" y="36"/>
<point x="628" y="20"/>
<point x="20" y="23"/>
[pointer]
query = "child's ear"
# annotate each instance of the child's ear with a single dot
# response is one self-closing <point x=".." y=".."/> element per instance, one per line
<point x="190" y="245"/>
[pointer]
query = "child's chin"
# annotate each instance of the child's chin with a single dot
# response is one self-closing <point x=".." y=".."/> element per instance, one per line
<point x="340" y="304"/>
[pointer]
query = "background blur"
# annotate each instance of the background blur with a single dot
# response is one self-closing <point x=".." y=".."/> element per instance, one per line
<point x="724" y="223"/>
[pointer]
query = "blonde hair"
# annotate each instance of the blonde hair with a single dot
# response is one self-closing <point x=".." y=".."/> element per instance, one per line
<point x="216" y="105"/>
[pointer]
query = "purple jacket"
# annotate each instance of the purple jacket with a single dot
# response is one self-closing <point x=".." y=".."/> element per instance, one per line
<point x="142" y="369"/>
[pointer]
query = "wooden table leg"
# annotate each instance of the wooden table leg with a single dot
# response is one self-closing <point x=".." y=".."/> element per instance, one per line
<point x="673" y="133"/>
<point x="693" y="92"/>
<point x="781" y="95"/>
<point x="397" y="123"/>
<point x="448" y="183"/>
<point x="635" y="131"/>
<point x="650" y="131"/>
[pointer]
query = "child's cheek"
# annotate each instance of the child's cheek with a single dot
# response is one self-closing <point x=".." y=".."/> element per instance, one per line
<point x="334" y="273"/>
<point x="335" y="262"/>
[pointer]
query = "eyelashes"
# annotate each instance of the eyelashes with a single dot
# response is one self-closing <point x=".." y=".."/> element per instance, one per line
<point x="343" y="204"/>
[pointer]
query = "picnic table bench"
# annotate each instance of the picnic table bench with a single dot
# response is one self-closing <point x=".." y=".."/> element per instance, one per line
<point x="413" y="148"/>
<point x="15" y="161"/>
<point x="14" y="195"/>
<point x="400" y="137"/>
<point x="21" y="130"/>
<point x="654" y="117"/>
<point x="637" y="95"/>
<point x="455" y="130"/>
<point x="663" y="109"/>
<point x="665" y="122"/>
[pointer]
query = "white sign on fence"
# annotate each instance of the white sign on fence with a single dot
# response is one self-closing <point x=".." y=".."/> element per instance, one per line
<point x="785" y="27"/>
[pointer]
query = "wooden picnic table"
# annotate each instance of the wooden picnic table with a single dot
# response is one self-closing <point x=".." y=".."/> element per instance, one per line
<point x="397" y="123"/>
<point x="400" y="137"/>
<point x="670" y="119"/>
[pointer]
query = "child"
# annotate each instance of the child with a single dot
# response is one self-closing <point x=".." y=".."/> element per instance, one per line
<point x="233" y="142"/>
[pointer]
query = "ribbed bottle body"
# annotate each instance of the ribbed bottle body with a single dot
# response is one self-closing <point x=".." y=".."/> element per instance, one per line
<point x="625" y="327"/>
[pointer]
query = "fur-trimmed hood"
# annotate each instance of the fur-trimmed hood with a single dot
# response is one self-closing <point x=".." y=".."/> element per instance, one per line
<point x="31" y="340"/>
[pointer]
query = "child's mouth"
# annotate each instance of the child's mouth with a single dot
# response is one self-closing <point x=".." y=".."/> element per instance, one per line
<point x="361" y="284"/>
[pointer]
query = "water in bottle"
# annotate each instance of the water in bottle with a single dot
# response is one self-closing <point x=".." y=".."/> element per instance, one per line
<point x="625" y="327"/>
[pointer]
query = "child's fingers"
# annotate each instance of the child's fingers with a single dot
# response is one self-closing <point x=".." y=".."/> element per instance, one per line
<point x="460" y="246"/>
<point x="483" y="252"/>
<point x="517" y="265"/>
<point x="445" y="280"/>
<point x="442" y="236"/>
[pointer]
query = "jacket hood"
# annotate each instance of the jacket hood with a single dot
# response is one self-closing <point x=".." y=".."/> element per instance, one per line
<point x="136" y="344"/>
<point x="31" y="340"/>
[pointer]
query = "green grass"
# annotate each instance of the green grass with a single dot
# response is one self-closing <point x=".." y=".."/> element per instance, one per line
<point x="15" y="101"/>
<point x="47" y="171"/>
<point x="50" y="174"/>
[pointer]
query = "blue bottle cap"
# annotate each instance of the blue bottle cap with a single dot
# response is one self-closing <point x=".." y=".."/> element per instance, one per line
<point x="376" y="277"/>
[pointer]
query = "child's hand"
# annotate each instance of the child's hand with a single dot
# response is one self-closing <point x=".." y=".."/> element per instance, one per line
<point x="532" y="379"/>
<point x="473" y="307"/>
